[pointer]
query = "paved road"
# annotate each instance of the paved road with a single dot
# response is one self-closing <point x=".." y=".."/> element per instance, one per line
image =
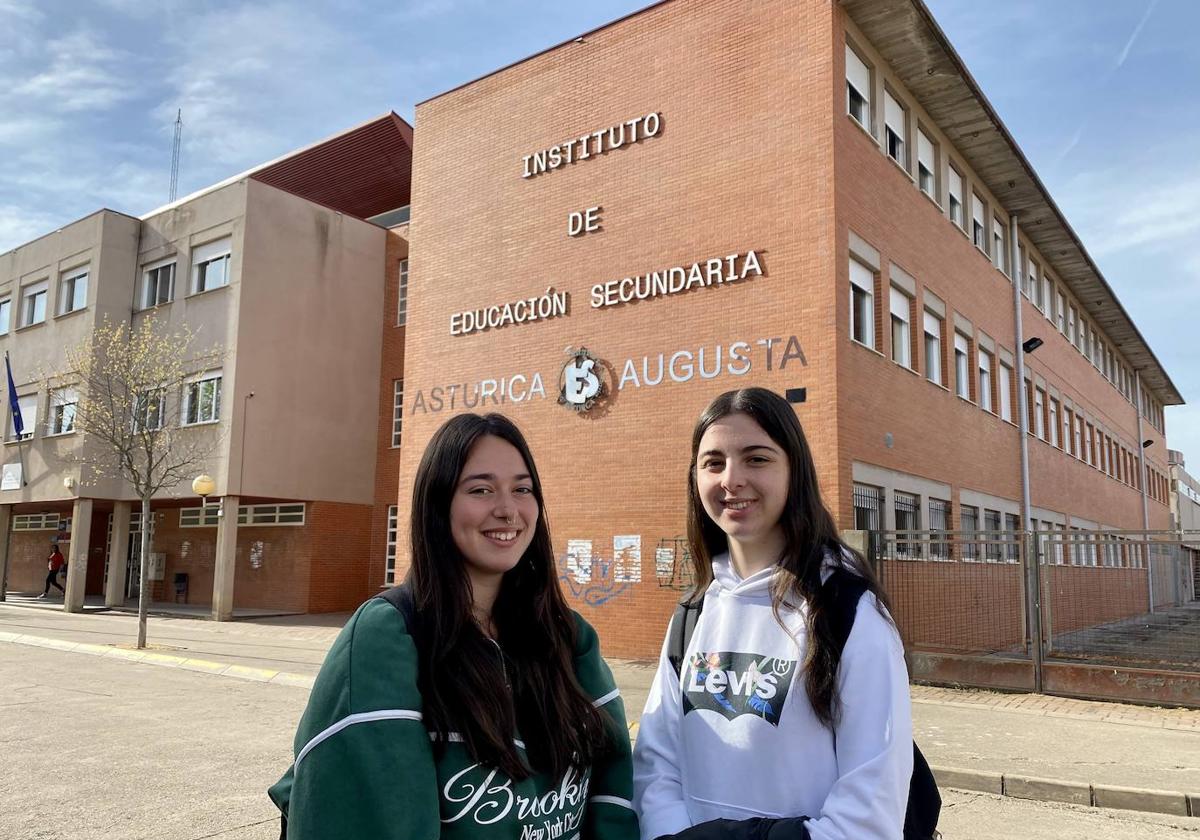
<point x="142" y="752"/>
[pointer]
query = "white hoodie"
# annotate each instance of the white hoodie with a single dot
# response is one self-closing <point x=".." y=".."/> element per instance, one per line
<point x="739" y="739"/>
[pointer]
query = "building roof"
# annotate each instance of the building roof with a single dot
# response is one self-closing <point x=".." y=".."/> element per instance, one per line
<point x="363" y="171"/>
<point x="918" y="51"/>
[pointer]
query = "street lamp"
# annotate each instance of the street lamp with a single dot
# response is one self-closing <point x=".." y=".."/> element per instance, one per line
<point x="203" y="486"/>
<point x="1032" y="344"/>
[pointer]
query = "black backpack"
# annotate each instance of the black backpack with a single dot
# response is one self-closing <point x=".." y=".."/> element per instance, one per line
<point x="924" y="801"/>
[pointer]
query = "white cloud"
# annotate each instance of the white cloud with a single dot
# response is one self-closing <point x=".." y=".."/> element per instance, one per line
<point x="1137" y="30"/>
<point x="83" y="74"/>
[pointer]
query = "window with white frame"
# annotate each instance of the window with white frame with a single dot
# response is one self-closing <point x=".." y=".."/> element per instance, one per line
<point x="149" y="409"/>
<point x="1022" y="276"/>
<point x="200" y="517"/>
<point x="1052" y="423"/>
<point x="858" y="89"/>
<point x="1071" y="324"/>
<point x="64" y="402"/>
<point x="28" y="405"/>
<point x="985" y="380"/>
<point x="1004" y="390"/>
<point x="1060" y="313"/>
<point x="926" y="165"/>
<point x="202" y="400"/>
<point x="402" y="295"/>
<point x="1079" y="452"/>
<point x="35" y="522"/>
<point x="285" y="514"/>
<point x="901" y="308"/>
<point x="1047" y="296"/>
<point x="5" y="314"/>
<point x="933" y="348"/>
<point x="1039" y="413"/>
<point x="862" y="303"/>
<point x="978" y="227"/>
<point x="954" y="190"/>
<point x="1035" y="286"/>
<point x="895" y="125"/>
<point x="158" y="283"/>
<point x="210" y="265"/>
<point x="999" y="240"/>
<point x="397" y="410"/>
<point x="962" y="368"/>
<point x="72" y="290"/>
<point x="389" y="561"/>
<point x="33" y="303"/>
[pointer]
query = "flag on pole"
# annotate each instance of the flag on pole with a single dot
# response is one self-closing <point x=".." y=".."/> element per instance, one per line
<point x="15" y="404"/>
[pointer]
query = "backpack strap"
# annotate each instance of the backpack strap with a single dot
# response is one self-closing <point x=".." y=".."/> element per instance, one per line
<point x="847" y="589"/>
<point x="679" y="634"/>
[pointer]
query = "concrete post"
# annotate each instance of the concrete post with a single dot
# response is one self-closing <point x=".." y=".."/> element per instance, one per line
<point x="81" y="531"/>
<point x="227" y="528"/>
<point x="6" y="529"/>
<point x="118" y="555"/>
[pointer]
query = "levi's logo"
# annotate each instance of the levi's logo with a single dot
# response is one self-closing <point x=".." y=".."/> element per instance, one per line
<point x="734" y="684"/>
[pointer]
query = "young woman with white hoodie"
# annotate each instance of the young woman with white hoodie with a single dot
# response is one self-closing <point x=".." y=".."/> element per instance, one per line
<point x="768" y="730"/>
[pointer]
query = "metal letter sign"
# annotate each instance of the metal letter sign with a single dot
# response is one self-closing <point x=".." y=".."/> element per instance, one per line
<point x="579" y="383"/>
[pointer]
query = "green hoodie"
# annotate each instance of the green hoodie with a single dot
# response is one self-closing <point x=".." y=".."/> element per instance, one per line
<point x="364" y="766"/>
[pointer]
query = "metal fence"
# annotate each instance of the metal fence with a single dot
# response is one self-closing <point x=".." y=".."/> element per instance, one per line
<point x="972" y="600"/>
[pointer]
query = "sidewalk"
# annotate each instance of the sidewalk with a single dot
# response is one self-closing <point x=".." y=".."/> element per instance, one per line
<point x="1023" y="745"/>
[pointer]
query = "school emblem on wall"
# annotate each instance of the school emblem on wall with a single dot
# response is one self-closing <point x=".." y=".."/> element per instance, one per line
<point x="581" y="384"/>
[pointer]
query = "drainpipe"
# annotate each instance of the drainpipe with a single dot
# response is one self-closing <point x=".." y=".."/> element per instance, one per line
<point x="1143" y="480"/>
<point x="1033" y="601"/>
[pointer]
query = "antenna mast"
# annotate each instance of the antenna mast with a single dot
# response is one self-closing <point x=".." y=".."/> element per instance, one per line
<point x="175" y="154"/>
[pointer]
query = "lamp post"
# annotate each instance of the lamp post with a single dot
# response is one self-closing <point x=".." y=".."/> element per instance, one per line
<point x="203" y="486"/>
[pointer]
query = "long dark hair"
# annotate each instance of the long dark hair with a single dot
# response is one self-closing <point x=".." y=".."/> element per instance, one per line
<point x="809" y="532"/>
<point x="462" y="675"/>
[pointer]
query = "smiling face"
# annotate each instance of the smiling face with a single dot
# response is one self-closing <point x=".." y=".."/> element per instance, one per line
<point x="742" y="480"/>
<point x="493" y="511"/>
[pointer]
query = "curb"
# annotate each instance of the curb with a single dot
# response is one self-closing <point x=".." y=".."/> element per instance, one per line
<point x="204" y="666"/>
<point x="1173" y="803"/>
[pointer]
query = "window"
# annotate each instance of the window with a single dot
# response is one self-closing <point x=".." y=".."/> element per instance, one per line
<point x="33" y="303"/>
<point x="28" y="405"/>
<point x="1035" y="286"/>
<point x="908" y="518"/>
<point x="978" y="229"/>
<point x="210" y="265"/>
<point x="1071" y="324"/>
<point x="926" y="165"/>
<point x="862" y="303"/>
<point x="1022" y="275"/>
<point x="63" y="404"/>
<point x="999" y="251"/>
<point x="1079" y="453"/>
<point x="858" y="89"/>
<point x="955" y="192"/>
<point x="1060" y="313"/>
<point x="5" y="314"/>
<point x="35" y="522"/>
<point x="969" y="514"/>
<point x="895" y="129"/>
<point x="389" y="561"/>
<point x="901" y="306"/>
<point x="1053" y="422"/>
<point x="397" y="410"/>
<point x="402" y="296"/>
<point x="202" y="400"/>
<point x="985" y="380"/>
<point x="199" y="517"/>
<point x="868" y="507"/>
<point x="1039" y="413"/>
<point x="1047" y="296"/>
<point x="158" y="284"/>
<point x="148" y="411"/>
<point x="962" y="369"/>
<point x="991" y="523"/>
<point x="1066" y="431"/>
<point x="933" y="348"/>
<point x="289" y="514"/>
<point x="1005" y="389"/>
<point x="72" y="291"/>
<point x="1012" y="524"/>
<point x="1089" y="444"/>
<point x="939" y="520"/>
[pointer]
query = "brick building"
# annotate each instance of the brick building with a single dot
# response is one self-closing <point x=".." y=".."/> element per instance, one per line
<point x="810" y="196"/>
<point x="293" y="271"/>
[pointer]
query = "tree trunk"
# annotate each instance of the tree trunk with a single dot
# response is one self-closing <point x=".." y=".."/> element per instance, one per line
<point x="144" y="573"/>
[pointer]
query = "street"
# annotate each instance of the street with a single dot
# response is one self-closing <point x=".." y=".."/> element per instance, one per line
<point x="102" y="748"/>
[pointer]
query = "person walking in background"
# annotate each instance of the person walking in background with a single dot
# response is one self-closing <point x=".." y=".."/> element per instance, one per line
<point x="54" y="563"/>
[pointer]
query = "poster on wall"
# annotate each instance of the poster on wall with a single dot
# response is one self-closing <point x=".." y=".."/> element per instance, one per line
<point x="627" y="559"/>
<point x="579" y="560"/>
<point x="664" y="562"/>
<point x="11" y="477"/>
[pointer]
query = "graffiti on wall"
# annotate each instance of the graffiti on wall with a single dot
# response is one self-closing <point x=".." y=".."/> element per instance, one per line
<point x="673" y="564"/>
<point x="595" y="580"/>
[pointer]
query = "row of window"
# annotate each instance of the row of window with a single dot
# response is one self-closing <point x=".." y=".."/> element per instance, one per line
<point x="210" y="270"/>
<point x="1050" y="297"/>
<point x="33" y="299"/>
<point x="208" y="515"/>
<point x="397" y="411"/>
<point x="40" y="522"/>
<point x="979" y="376"/>
<point x="200" y="404"/>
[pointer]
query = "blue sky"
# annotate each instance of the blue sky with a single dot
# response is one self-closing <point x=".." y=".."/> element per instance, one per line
<point x="1102" y="95"/>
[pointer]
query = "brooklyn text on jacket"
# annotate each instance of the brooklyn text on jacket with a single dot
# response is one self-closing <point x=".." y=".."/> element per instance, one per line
<point x="594" y="143"/>
<point x="715" y="271"/>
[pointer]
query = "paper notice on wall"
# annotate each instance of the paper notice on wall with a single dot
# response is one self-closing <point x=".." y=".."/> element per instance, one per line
<point x="256" y="554"/>
<point x="664" y="563"/>
<point x="11" y="477"/>
<point x="579" y="560"/>
<point x="627" y="559"/>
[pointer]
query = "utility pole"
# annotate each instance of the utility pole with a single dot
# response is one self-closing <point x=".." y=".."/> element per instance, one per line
<point x="175" y="154"/>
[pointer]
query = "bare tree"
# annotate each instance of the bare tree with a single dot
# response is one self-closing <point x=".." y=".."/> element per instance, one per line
<point x="136" y="398"/>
